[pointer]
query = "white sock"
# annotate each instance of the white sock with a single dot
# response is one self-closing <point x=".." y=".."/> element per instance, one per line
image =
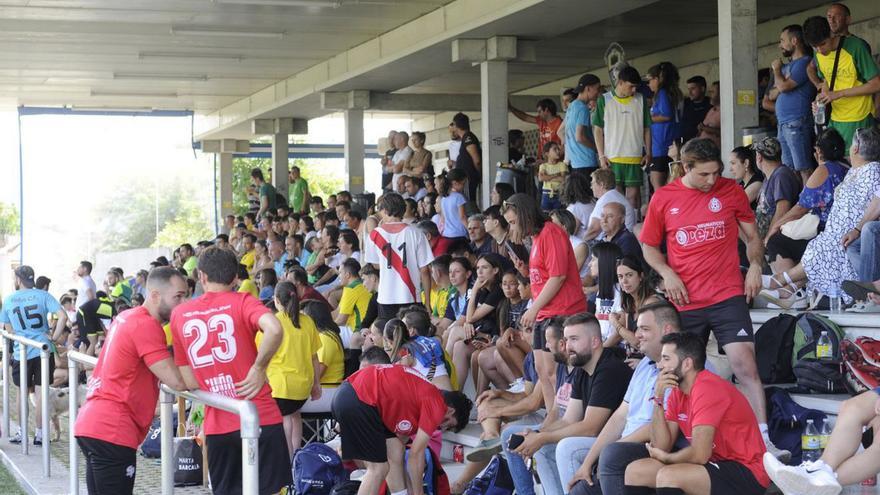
<point x="765" y="431"/>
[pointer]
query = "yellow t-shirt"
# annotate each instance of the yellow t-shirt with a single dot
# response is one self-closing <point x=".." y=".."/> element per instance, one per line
<point x="248" y="259"/>
<point x="553" y="186"/>
<point x="855" y="67"/>
<point x="439" y="300"/>
<point x="354" y="302"/>
<point x="167" y="329"/>
<point x="248" y="285"/>
<point x="332" y="356"/>
<point x="290" y="371"/>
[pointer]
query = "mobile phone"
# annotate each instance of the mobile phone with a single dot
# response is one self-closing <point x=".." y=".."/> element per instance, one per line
<point x="515" y="441"/>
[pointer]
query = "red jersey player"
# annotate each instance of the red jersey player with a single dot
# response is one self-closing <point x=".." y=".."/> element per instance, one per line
<point x="214" y="347"/>
<point x="124" y="389"/>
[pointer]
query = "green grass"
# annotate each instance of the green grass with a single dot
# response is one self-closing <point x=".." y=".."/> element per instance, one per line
<point x="8" y="483"/>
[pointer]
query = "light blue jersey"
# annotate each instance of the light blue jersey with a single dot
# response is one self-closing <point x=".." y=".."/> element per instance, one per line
<point x="26" y="311"/>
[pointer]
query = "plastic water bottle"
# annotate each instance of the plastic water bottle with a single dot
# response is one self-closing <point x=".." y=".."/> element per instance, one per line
<point x="823" y="346"/>
<point x="811" y="443"/>
<point x="820" y="115"/>
<point x="825" y="434"/>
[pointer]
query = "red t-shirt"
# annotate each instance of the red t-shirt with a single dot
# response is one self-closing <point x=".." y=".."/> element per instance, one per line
<point x="214" y="335"/>
<point x="715" y="402"/>
<point x="123" y="391"/>
<point x="701" y="231"/>
<point x="552" y="256"/>
<point x="547" y="133"/>
<point x="406" y="401"/>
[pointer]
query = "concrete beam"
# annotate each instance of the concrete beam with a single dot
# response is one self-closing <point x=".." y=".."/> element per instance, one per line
<point x="496" y="48"/>
<point x="346" y="100"/>
<point x="501" y="48"/>
<point x="468" y="50"/>
<point x="226" y="146"/>
<point x="409" y="102"/>
<point x="287" y="125"/>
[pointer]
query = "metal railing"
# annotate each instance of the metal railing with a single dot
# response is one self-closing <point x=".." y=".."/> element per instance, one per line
<point x="73" y="359"/>
<point x="246" y="410"/>
<point x="45" y="380"/>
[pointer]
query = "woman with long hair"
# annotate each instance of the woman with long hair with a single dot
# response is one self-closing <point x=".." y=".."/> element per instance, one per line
<point x="566" y="220"/>
<point x="291" y="371"/>
<point x="452" y="201"/>
<point x="460" y="270"/>
<point x="663" y="80"/>
<point x="266" y="281"/>
<point x="261" y="257"/>
<point x="331" y="356"/>
<point x="603" y="268"/>
<point x="577" y="196"/>
<point x="500" y="192"/>
<point x="636" y="290"/>
<point x="745" y="170"/>
<point x="405" y="345"/>
<point x="505" y="365"/>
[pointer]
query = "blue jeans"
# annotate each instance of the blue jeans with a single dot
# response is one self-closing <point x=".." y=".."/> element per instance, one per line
<point x="796" y="138"/>
<point x="545" y="458"/>
<point x="864" y="254"/>
<point x="570" y="454"/>
<point x="548" y="203"/>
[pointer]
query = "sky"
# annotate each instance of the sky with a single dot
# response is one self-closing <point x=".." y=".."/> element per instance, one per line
<point x="71" y="163"/>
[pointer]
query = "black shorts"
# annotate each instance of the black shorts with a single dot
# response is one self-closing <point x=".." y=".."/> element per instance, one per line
<point x="388" y="311"/>
<point x="110" y="468"/>
<point x="660" y="164"/>
<point x="224" y="461"/>
<point x="288" y="406"/>
<point x="786" y="247"/>
<point x="732" y="478"/>
<point x="729" y="320"/>
<point x="361" y="427"/>
<point x="87" y="318"/>
<point x="539" y="340"/>
<point x="32" y="371"/>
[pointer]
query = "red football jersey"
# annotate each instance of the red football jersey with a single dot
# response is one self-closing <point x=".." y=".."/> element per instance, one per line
<point x="406" y="401"/>
<point x="122" y="391"/>
<point x="214" y="335"/>
<point x="716" y="402"/>
<point x="701" y="232"/>
<point x="553" y="256"/>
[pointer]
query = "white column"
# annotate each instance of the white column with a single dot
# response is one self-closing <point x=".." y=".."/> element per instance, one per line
<point x="280" y="154"/>
<point x="354" y="150"/>
<point x="738" y="66"/>
<point x="225" y="180"/>
<point x="493" y="122"/>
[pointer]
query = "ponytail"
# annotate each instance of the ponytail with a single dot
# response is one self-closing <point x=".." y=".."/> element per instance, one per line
<point x="396" y="333"/>
<point x="286" y="294"/>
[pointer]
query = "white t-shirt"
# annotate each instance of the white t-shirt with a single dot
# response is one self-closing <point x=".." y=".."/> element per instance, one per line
<point x="454" y="149"/>
<point x="82" y="291"/>
<point x="605" y="307"/>
<point x="582" y="212"/>
<point x="575" y="242"/>
<point x="406" y="251"/>
<point x="400" y="156"/>
<point x="614" y="196"/>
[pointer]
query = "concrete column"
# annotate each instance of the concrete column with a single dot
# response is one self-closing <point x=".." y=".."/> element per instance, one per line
<point x="225" y="180"/>
<point x="493" y="122"/>
<point x="280" y="155"/>
<point x="738" y="69"/>
<point x="354" y="150"/>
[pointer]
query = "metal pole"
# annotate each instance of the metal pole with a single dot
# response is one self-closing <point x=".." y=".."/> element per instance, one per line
<point x="73" y="386"/>
<point x="250" y="455"/>
<point x="45" y="356"/>
<point x="6" y="379"/>
<point x="167" y="439"/>
<point x="23" y="396"/>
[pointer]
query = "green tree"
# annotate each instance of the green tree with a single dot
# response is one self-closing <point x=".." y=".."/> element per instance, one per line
<point x="189" y="225"/>
<point x="324" y="177"/>
<point x="9" y="219"/>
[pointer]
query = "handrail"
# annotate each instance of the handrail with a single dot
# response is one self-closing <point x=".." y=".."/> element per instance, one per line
<point x="249" y="429"/>
<point x="246" y="410"/>
<point x="74" y="358"/>
<point x="45" y="381"/>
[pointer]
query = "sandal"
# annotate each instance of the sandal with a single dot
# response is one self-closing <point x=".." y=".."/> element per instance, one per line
<point x="768" y="280"/>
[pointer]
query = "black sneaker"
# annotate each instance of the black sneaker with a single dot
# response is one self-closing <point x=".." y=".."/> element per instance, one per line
<point x="38" y="441"/>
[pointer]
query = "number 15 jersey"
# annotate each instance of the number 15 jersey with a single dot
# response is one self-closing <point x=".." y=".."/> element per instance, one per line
<point x="214" y="335"/>
<point x="400" y="251"/>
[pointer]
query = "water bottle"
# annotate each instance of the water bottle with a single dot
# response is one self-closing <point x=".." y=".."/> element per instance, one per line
<point x="825" y="434"/>
<point x="823" y="346"/>
<point x="811" y="444"/>
<point x="820" y="116"/>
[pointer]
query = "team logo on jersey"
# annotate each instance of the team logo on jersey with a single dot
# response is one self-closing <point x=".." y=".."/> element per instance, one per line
<point x="404" y="426"/>
<point x="673" y="211"/>
<point x="682" y="417"/>
<point x="714" y="205"/>
<point x="697" y="234"/>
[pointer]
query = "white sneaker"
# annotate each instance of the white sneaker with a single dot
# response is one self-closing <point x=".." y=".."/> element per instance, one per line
<point x="864" y="307"/>
<point x="781" y="454"/>
<point x="810" y="478"/>
<point x="517" y="387"/>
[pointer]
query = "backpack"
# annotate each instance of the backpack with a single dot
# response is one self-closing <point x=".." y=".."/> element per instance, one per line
<point x="774" y="344"/>
<point x="316" y="470"/>
<point x="860" y="359"/>
<point x="823" y="377"/>
<point x="152" y="445"/>
<point x="807" y="331"/>
<point x="494" y="479"/>
<point x="787" y="419"/>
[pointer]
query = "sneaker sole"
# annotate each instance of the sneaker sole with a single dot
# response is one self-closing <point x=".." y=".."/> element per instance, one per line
<point x="783" y="303"/>
<point x="791" y="483"/>
<point x="482" y="454"/>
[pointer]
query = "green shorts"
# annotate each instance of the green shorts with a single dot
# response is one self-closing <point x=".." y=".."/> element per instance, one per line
<point x="628" y="174"/>
<point x="848" y="129"/>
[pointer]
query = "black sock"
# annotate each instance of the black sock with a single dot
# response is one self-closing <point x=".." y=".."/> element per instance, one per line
<point x="637" y="490"/>
<point x="670" y="491"/>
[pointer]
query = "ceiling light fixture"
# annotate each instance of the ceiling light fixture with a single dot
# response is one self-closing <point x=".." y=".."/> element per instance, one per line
<point x="285" y="3"/>
<point x="124" y="94"/>
<point x="207" y="31"/>
<point x="165" y="77"/>
<point x="175" y="55"/>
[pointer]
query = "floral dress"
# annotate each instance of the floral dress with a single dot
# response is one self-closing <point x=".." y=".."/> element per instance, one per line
<point x="825" y="261"/>
<point x="820" y="199"/>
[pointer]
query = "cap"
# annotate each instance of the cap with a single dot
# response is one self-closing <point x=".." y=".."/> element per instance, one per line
<point x="26" y="274"/>
<point x="769" y="148"/>
<point x="584" y="81"/>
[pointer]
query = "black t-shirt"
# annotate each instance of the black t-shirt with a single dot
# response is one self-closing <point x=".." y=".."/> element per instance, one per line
<point x="606" y="386"/>
<point x="692" y="115"/>
<point x="493" y="297"/>
<point x="464" y="160"/>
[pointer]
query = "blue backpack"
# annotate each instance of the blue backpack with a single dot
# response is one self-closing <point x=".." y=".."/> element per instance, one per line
<point x="316" y="470"/>
<point x="493" y="480"/>
<point x="152" y="445"/>
<point x="787" y="420"/>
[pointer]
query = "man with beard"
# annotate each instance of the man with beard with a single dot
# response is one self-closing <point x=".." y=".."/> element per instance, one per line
<point x="123" y="389"/>
<point x="725" y="448"/>
<point x="597" y="388"/>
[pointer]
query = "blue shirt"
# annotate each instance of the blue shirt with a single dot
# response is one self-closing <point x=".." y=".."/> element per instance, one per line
<point x="452" y="225"/>
<point x="579" y="155"/>
<point x="662" y="133"/>
<point x="25" y="310"/>
<point x="279" y="265"/>
<point x="797" y="103"/>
